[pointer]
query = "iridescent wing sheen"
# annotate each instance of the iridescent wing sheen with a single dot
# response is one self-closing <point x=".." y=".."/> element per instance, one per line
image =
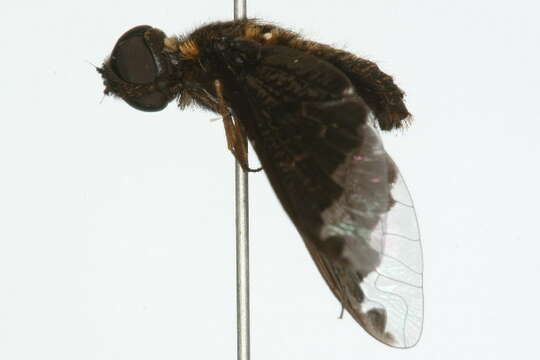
<point x="375" y="216"/>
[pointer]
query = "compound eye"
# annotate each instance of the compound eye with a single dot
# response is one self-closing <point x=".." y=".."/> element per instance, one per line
<point x="153" y="101"/>
<point x="132" y="59"/>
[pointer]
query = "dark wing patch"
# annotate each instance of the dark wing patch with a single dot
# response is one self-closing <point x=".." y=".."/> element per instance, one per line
<point x="336" y="182"/>
<point x="280" y="103"/>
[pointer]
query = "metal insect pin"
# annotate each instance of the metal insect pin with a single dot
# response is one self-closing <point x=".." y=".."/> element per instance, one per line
<point x="311" y="113"/>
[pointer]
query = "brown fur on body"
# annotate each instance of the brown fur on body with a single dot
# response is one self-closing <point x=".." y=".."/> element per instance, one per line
<point x="382" y="95"/>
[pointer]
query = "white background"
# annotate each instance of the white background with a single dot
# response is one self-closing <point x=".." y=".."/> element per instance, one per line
<point x="116" y="226"/>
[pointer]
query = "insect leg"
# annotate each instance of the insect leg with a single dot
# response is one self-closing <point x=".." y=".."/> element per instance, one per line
<point x="342" y="312"/>
<point x="236" y="139"/>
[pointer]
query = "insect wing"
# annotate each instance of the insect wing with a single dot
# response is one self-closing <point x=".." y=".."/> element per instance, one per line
<point x="376" y="218"/>
<point x="343" y="192"/>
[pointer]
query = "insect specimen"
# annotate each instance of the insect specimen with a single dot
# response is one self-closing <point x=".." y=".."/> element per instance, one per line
<point x="311" y="113"/>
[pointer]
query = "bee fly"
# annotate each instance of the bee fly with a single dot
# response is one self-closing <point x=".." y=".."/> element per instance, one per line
<point x="311" y="113"/>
